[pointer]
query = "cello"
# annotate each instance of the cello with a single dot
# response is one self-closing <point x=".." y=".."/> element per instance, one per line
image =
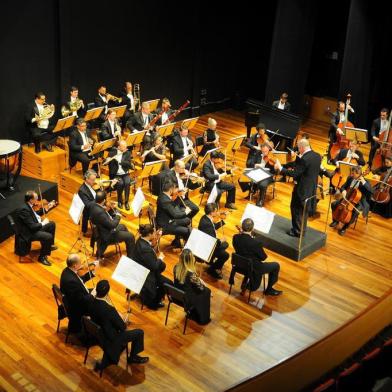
<point x="344" y="210"/>
<point x="385" y="148"/>
<point x="382" y="192"/>
<point x="341" y="141"/>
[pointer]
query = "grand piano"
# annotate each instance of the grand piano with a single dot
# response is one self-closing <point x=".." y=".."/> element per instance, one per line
<point x="282" y="127"/>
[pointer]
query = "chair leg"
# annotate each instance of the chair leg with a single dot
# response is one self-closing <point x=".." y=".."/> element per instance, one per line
<point x="58" y="326"/>
<point x="186" y="322"/>
<point x="250" y="293"/>
<point x="230" y="289"/>
<point x="201" y="199"/>
<point x="167" y="312"/>
<point x="127" y="352"/>
<point x="85" y="356"/>
<point x="67" y="336"/>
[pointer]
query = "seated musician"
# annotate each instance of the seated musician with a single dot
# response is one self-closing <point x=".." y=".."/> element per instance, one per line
<point x="101" y="100"/>
<point x="127" y="98"/>
<point x="80" y="145"/>
<point x="34" y="228"/>
<point x="264" y="161"/>
<point x="72" y="103"/>
<point x="379" y="125"/>
<point x="140" y="120"/>
<point x="350" y="155"/>
<point x="384" y="174"/>
<point x="166" y="111"/>
<point x="213" y="172"/>
<point x="119" y="166"/>
<point x="249" y="246"/>
<point x="254" y="143"/>
<point x="110" y="230"/>
<point x="178" y="175"/>
<point x="170" y="218"/>
<point x="358" y="182"/>
<point x="197" y="294"/>
<point x="154" y="150"/>
<point x="210" y="137"/>
<point x="114" y="330"/>
<point x="337" y="117"/>
<point x="282" y="103"/>
<point x="77" y="295"/>
<point x="87" y="194"/>
<point x="153" y="291"/>
<point x="182" y="146"/>
<point x="40" y="129"/>
<point x="208" y="225"/>
<point x="110" y="128"/>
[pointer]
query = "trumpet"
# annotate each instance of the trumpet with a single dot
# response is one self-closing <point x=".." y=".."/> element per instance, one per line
<point x="46" y="113"/>
<point x="111" y="97"/>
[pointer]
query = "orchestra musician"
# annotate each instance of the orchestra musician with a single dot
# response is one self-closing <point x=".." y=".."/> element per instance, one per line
<point x="153" y="291"/>
<point x="80" y="145"/>
<point x="154" y="150"/>
<point x="76" y="295"/>
<point x="128" y="99"/>
<point x="140" y="120"/>
<point x="197" y="294"/>
<point x="110" y="230"/>
<point x="379" y="125"/>
<point x="265" y="161"/>
<point x="166" y="111"/>
<point x="384" y="174"/>
<point x="110" y="128"/>
<point x="33" y="228"/>
<point x="282" y="103"/>
<point x="208" y="225"/>
<point x="246" y="245"/>
<point x="170" y="218"/>
<point x="73" y="102"/>
<point x="305" y="174"/>
<point x="254" y="143"/>
<point x="213" y="171"/>
<point x="100" y="100"/>
<point x="355" y="181"/>
<point x="182" y="146"/>
<point x="114" y="330"/>
<point x="119" y="166"/>
<point x="210" y="137"/>
<point x="40" y="129"/>
<point x="87" y="194"/>
<point x="350" y="155"/>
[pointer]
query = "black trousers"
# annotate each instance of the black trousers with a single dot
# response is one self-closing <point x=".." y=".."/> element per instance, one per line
<point x="226" y="187"/>
<point x="178" y="227"/>
<point x="260" y="268"/>
<point x="85" y="218"/>
<point x="297" y="211"/>
<point x="81" y="157"/>
<point x="121" y="234"/>
<point x="40" y="135"/>
<point x="123" y="186"/>
<point x="194" y="165"/>
<point x="46" y="237"/>
<point x="220" y="255"/>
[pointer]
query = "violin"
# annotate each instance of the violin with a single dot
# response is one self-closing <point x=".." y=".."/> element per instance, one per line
<point x="269" y="159"/>
<point x="344" y="210"/>
<point x="155" y="241"/>
<point x="263" y="139"/>
<point x="44" y="205"/>
<point x="89" y="268"/>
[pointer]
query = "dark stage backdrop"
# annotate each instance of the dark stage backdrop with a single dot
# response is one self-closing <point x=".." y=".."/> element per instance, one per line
<point x="215" y="54"/>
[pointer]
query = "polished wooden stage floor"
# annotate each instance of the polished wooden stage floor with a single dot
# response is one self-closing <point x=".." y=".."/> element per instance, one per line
<point x="321" y="293"/>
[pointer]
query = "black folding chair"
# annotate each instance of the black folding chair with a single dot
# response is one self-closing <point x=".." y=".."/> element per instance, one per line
<point x="61" y="308"/>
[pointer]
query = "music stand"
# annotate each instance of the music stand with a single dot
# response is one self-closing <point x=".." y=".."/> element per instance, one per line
<point x="62" y="125"/>
<point x="135" y="138"/>
<point x="233" y="145"/>
<point x="207" y="156"/>
<point x="151" y="169"/>
<point x="100" y="147"/>
<point x="186" y="159"/>
<point x="94" y="113"/>
<point x="190" y="122"/>
<point x="345" y="168"/>
<point x="357" y="134"/>
<point x="165" y="130"/>
<point x="153" y="104"/>
<point x="120" y="110"/>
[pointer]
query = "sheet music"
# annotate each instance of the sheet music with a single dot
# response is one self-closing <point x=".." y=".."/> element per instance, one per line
<point x="130" y="274"/>
<point x="137" y="202"/>
<point x="261" y="217"/>
<point x="213" y="195"/>
<point x="258" y="175"/>
<point x="201" y="244"/>
<point x="76" y="209"/>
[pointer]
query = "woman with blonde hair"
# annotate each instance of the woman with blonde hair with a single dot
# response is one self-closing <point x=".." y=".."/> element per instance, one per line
<point x="210" y="137"/>
<point x="197" y="294"/>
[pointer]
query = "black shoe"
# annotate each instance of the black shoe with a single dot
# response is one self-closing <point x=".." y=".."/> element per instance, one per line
<point x="37" y="150"/>
<point x="137" y="359"/>
<point x="214" y="273"/>
<point x="119" y="204"/>
<point x="53" y="247"/>
<point x="292" y="233"/>
<point x="127" y="206"/>
<point x="273" y="292"/>
<point x="160" y="305"/>
<point x="231" y="206"/>
<point x="333" y="224"/>
<point x="43" y="260"/>
<point x="342" y="231"/>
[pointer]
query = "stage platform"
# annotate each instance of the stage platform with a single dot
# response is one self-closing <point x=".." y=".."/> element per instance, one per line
<point x="15" y="199"/>
<point x="280" y="242"/>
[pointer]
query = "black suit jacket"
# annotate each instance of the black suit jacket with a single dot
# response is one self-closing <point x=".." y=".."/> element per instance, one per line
<point x="105" y="225"/>
<point x="305" y="174"/>
<point x="366" y="191"/>
<point x="125" y="100"/>
<point x="343" y="154"/>
<point x="76" y="141"/>
<point x="31" y="111"/>
<point x="136" y="123"/>
<point x="126" y="163"/>
<point x="27" y="222"/>
<point x="106" y="131"/>
<point x="287" y="105"/>
<point x="209" y="175"/>
<point x="158" y="111"/>
<point x="178" y="147"/>
<point x="375" y="129"/>
<point x="170" y="175"/>
<point x="208" y="227"/>
<point x="249" y="247"/>
<point x="86" y="195"/>
<point x="98" y="102"/>
<point x="167" y="211"/>
<point x="250" y="143"/>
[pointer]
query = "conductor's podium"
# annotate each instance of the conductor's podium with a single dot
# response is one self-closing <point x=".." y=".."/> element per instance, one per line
<point x="46" y="165"/>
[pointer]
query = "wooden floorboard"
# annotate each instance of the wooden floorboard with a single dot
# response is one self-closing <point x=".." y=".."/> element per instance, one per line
<point x="320" y="294"/>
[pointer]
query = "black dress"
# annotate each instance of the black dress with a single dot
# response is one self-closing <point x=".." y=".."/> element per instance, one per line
<point x="197" y="297"/>
<point x="383" y="209"/>
<point x="210" y="135"/>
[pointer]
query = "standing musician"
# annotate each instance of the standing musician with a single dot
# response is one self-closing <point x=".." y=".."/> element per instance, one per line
<point x="110" y="128"/>
<point x="214" y="172"/>
<point x="80" y="145"/>
<point x="107" y="220"/>
<point x="153" y="291"/>
<point x="282" y="103"/>
<point x="167" y="111"/>
<point x="39" y="123"/>
<point x="379" y="125"/>
<point x="305" y="175"/>
<point x="246" y="245"/>
<point x="171" y="218"/>
<point x="210" y="137"/>
<point x="140" y="120"/>
<point x="115" y="335"/>
<point x="355" y="181"/>
<point x="76" y="295"/>
<point x="265" y="161"/>
<point x="383" y="207"/>
<point x="33" y="228"/>
<point x="336" y="118"/>
<point x="120" y="162"/>
<point x="74" y="106"/>
<point x="254" y="143"/>
<point x="208" y="225"/>
<point x="129" y="100"/>
<point x="87" y="194"/>
<point x="182" y="146"/>
<point x="180" y="177"/>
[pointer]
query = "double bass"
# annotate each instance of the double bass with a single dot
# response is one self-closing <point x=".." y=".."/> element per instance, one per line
<point x="385" y="148"/>
<point x="341" y="141"/>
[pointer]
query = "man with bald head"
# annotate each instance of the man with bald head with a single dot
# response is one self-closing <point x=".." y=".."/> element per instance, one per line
<point x="119" y="166"/>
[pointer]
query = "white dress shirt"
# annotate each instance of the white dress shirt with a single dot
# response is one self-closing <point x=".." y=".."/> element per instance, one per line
<point x="85" y="141"/>
<point x="91" y="189"/>
<point x="164" y="117"/>
<point x="181" y="185"/>
<point x="216" y="172"/>
<point x="132" y="106"/>
<point x="118" y="158"/>
<point x="281" y="105"/>
<point x="104" y="100"/>
<point x="36" y="215"/>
